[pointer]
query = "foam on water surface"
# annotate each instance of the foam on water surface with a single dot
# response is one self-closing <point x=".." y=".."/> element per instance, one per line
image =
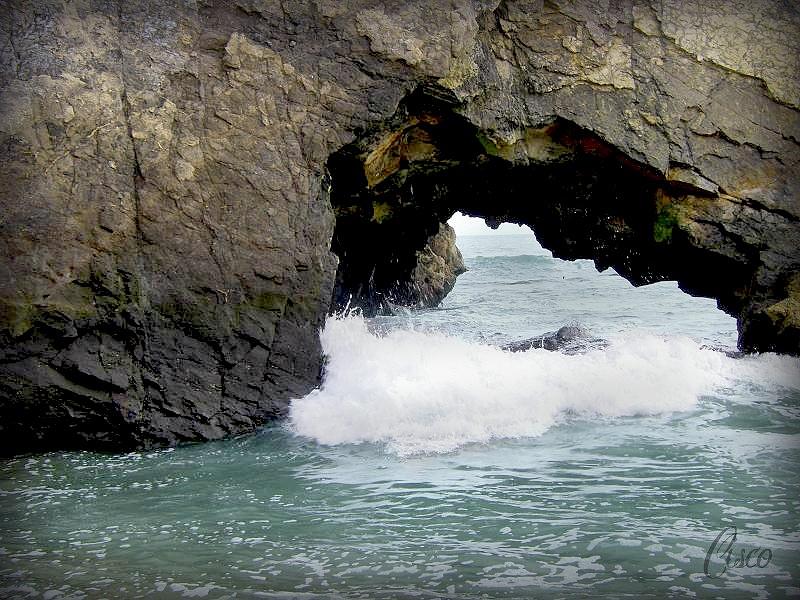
<point x="422" y="391"/>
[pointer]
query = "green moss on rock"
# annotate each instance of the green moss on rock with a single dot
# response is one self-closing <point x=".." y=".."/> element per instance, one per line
<point x="666" y="220"/>
<point x="488" y="145"/>
<point x="16" y="317"/>
<point x="269" y="301"/>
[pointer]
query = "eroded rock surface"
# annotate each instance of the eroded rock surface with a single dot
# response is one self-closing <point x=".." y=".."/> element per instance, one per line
<point x="439" y="263"/>
<point x="173" y="174"/>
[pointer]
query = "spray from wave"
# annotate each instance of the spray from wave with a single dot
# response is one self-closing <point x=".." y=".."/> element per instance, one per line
<point x="420" y="392"/>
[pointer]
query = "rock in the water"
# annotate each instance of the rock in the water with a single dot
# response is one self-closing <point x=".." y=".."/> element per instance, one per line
<point x="175" y="175"/>
<point x="568" y="339"/>
<point x="439" y="263"/>
<point x="413" y="277"/>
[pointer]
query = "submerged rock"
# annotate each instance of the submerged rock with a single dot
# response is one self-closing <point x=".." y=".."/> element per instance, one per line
<point x="180" y="181"/>
<point x="569" y="339"/>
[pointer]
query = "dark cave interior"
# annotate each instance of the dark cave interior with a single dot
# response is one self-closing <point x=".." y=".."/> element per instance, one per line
<point x="394" y="185"/>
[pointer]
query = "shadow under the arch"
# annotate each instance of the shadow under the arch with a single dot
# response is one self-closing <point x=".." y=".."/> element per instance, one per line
<point x="396" y="183"/>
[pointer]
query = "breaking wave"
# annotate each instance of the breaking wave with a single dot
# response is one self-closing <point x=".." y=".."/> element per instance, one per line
<point x="423" y="392"/>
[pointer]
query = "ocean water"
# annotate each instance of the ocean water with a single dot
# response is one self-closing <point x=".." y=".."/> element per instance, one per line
<point x="433" y="464"/>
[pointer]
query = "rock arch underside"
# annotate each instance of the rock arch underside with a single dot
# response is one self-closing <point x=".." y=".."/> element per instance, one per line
<point x="189" y="188"/>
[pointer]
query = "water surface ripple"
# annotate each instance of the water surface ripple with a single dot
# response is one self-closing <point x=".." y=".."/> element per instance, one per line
<point x="592" y="505"/>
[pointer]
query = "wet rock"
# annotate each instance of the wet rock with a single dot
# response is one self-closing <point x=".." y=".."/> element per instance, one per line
<point x="569" y="339"/>
<point x="174" y="177"/>
<point x="439" y="263"/>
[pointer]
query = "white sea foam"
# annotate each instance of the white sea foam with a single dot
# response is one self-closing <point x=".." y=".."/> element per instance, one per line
<point x="769" y="371"/>
<point x="419" y="392"/>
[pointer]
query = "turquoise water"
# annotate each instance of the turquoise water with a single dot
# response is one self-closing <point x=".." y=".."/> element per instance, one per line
<point x="432" y="464"/>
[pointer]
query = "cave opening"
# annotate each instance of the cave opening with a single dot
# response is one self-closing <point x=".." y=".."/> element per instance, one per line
<point x="395" y="186"/>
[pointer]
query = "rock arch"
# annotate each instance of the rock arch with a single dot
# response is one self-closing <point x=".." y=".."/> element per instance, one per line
<point x="395" y="185"/>
<point x="166" y="207"/>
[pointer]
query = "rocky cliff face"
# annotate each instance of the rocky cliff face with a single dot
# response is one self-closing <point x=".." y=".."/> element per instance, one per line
<point x="175" y="175"/>
<point x="439" y="263"/>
